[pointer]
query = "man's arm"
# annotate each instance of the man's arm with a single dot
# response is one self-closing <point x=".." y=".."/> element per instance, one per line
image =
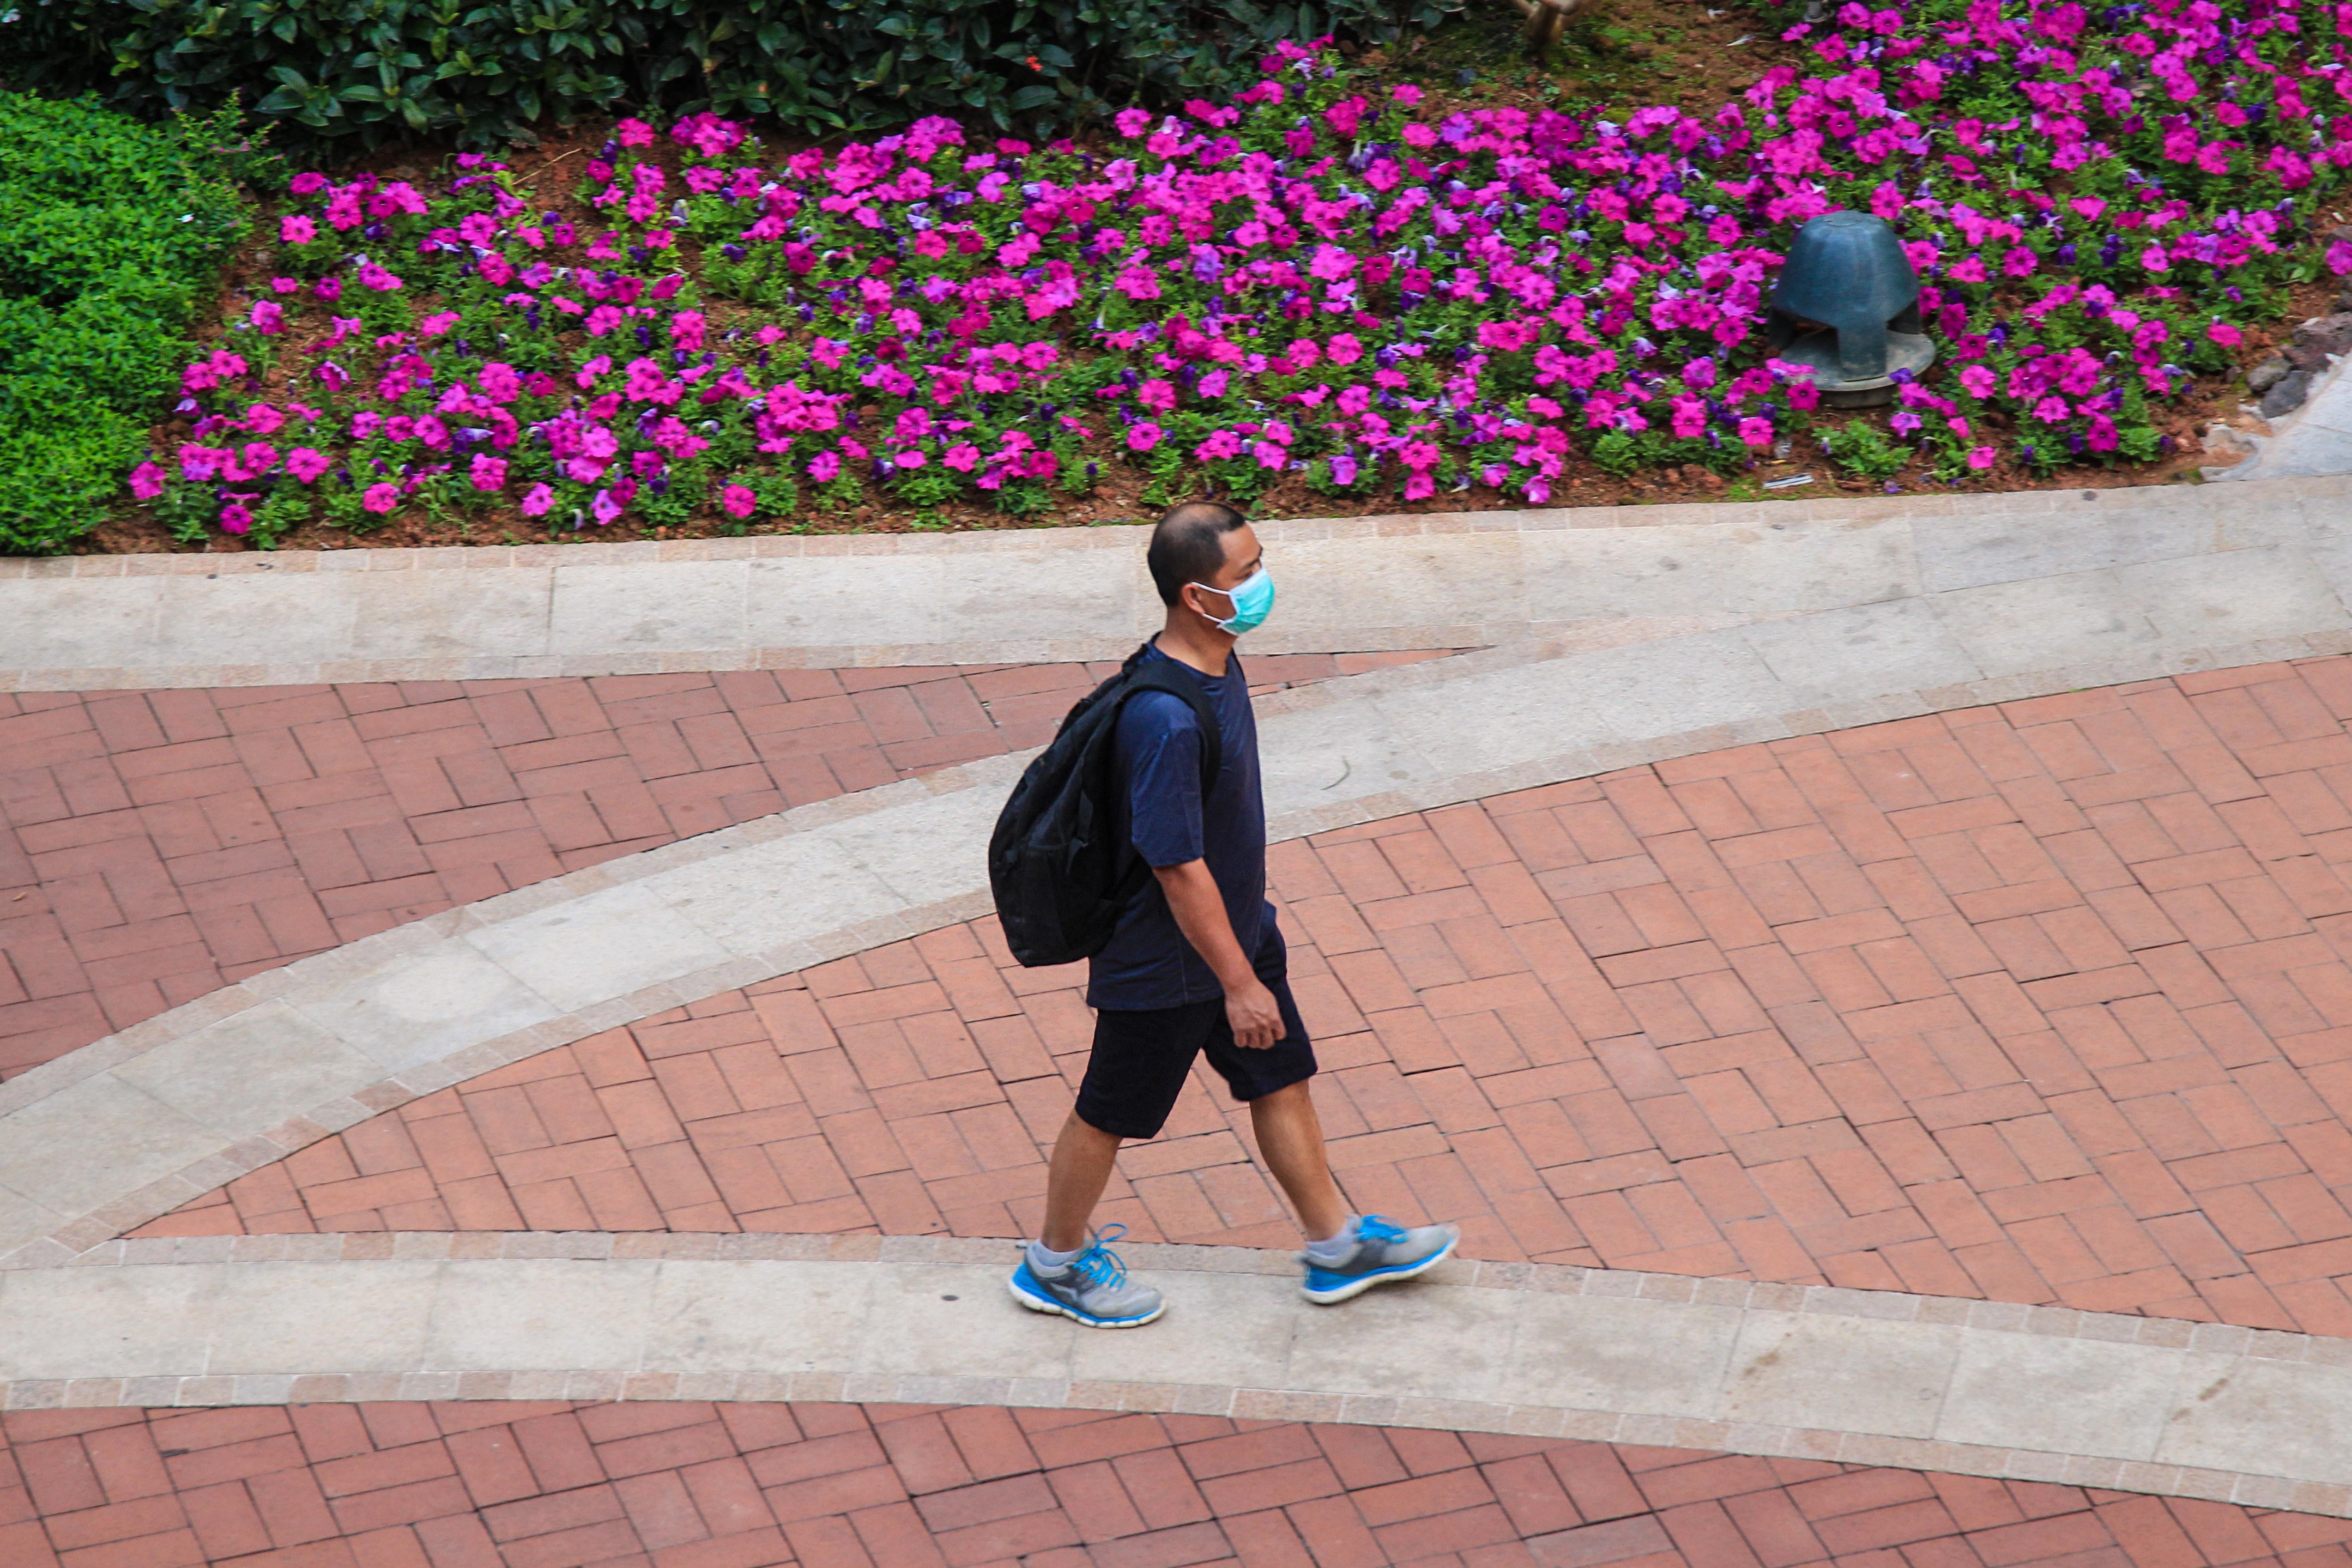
<point x="1200" y="911"/>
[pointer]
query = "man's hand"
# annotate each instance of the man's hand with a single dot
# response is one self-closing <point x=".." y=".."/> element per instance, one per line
<point x="1200" y="911"/>
<point x="1255" y="1019"/>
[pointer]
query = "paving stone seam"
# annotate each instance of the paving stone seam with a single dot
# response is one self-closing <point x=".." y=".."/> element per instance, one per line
<point x="669" y="1342"/>
<point x="1611" y="574"/>
<point x="44" y="1232"/>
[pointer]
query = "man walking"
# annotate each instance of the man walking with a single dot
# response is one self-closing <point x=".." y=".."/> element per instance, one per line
<point x="1196" y="964"/>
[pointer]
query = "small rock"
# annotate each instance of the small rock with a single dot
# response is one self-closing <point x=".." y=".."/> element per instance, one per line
<point x="2287" y="395"/>
<point x="2228" y="442"/>
<point x="2267" y="375"/>
<point x="2322" y="337"/>
<point x="1710" y="479"/>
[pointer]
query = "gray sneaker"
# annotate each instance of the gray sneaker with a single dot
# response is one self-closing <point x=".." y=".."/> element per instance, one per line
<point x="1094" y="1289"/>
<point x="1384" y="1252"/>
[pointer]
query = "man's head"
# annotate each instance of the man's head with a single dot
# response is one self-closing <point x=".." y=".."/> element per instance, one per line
<point x="1198" y="548"/>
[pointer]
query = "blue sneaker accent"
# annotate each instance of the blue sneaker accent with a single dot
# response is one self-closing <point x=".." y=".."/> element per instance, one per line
<point x="1093" y="1290"/>
<point x="1385" y="1253"/>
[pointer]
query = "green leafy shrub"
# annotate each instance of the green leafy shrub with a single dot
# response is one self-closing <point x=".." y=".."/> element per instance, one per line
<point x="109" y="231"/>
<point x="373" y="70"/>
<point x="1862" y="450"/>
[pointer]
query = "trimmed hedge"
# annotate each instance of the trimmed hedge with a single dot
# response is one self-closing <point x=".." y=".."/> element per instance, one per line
<point x="373" y="70"/>
<point x="110" y="231"/>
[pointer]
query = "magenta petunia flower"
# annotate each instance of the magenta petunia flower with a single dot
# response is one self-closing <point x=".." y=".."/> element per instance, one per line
<point x="1491" y="289"/>
<point x="381" y="498"/>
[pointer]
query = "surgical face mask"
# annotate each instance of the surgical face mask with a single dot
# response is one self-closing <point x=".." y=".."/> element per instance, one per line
<point x="1253" y="601"/>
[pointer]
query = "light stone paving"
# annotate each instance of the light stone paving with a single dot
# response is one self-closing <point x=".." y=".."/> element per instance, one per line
<point x="189" y="1100"/>
<point x="2317" y="438"/>
<point x="1928" y="1383"/>
<point x="1595" y="576"/>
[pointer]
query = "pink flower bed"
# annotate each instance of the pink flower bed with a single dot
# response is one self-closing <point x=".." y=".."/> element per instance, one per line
<point x="1315" y="279"/>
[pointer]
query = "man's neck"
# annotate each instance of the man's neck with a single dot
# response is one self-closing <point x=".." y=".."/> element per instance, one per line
<point x="1189" y="639"/>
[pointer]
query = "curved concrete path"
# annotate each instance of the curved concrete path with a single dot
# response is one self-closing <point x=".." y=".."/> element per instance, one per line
<point x="1603" y="574"/>
<point x="192" y="1098"/>
<point x="2130" y="1404"/>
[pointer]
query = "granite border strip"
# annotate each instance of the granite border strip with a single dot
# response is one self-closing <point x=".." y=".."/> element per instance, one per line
<point x="1898" y="1334"/>
<point x="1359" y="585"/>
<point x="893" y="817"/>
<point x="1116" y="536"/>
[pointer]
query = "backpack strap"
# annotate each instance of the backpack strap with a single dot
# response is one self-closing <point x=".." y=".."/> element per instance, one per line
<point x="1151" y="675"/>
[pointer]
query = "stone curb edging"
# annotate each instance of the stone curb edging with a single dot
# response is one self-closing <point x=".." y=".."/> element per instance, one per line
<point x="409" y="1011"/>
<point x="1362" y="584"/>
<point x="2131" y="1403"/>
<point x="881" y="597"/>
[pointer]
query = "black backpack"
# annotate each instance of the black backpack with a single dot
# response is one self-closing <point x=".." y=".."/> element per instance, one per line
<point x="1058" y="863"/>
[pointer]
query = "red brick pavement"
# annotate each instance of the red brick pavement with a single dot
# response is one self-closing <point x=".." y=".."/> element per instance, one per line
<point x="2042" y="1003"/>
<point x="492" y="1484"/>
<point x="157" y="844"/>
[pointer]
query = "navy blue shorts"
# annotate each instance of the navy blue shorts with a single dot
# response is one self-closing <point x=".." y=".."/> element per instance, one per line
<point x="1141" y="1055"/>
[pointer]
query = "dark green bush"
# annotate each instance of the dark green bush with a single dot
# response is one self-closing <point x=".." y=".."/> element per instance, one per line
<point x="370" y="70"/>
<point x="109" y="232"/>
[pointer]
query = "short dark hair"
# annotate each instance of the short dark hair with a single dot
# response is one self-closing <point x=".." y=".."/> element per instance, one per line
<point x="1189" y="545"/>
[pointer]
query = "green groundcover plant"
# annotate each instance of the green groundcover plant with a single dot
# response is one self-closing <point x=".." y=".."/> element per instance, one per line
<point x="481" y="71"/>
<point x="110" y="234"/>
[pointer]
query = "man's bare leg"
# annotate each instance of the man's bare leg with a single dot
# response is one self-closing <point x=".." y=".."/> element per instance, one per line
<point x="1345" y="1255"/>
<point x="1099" y="1294"/>
<point x="1082" y="1157"/>
<point x="1290" y="1138"/>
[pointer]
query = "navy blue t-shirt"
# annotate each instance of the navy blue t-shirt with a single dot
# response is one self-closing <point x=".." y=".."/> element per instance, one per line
<point x="1148" y="963"/>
